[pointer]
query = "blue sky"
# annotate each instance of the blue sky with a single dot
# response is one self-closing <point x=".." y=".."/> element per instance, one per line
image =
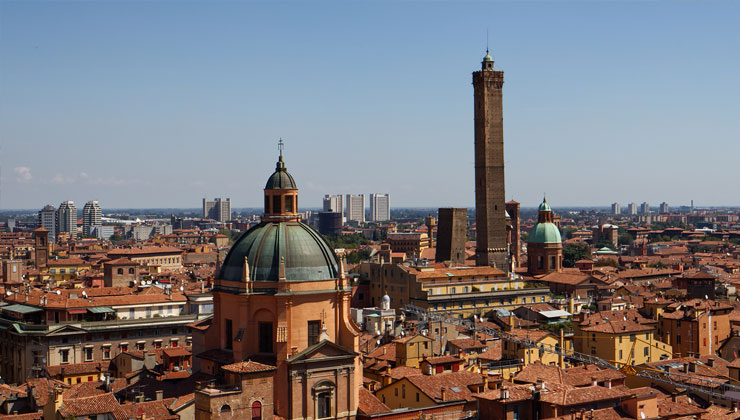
<point x="158" y="104"/>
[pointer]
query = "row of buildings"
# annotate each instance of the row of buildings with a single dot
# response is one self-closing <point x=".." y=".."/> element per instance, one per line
<point x="351" y="207"/>
<point x="631" y="209"/>
<point x="63" y="221"/>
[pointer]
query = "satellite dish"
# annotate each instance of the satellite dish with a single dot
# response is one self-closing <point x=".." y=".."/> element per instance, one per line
<point x="59" y="292"/>
<point x="182" y="289"/>
<point x="642" y="414"/>
<point x="8" y="293"/>
<point x="706" y="297"/>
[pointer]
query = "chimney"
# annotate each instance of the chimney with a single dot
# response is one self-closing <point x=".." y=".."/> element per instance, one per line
<point x="504" y="393"/>
<point x="160" y="394"/>
<point x="593" y="381"/>
<point x="710" y="361"/>
<point x="692" y="367"/>
<point x="442" y="392"/>
<point x="609" y="384"/>
<point x="539" y="384"/>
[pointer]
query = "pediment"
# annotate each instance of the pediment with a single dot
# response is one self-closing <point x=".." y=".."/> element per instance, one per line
<point x="323" y="350"/>
<point x="67" y="329"/>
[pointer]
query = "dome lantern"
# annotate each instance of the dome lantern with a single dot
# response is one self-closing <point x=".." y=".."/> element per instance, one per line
<point x="281" y="193"/>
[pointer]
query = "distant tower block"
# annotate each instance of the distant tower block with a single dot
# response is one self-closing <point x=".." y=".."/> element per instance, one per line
<point x="41" y="243"/>
<point x="515" y="233"/>
<point x="452" y="233"/>
<point x="491" y="246"/>
<point x="431" y="223"/>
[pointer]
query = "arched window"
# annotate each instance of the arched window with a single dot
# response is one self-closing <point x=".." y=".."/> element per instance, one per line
<point x="324" y="399"/>
<point x="131" y="271"/>
<point x="256" y="410"/>
<point x="120" y="271"/>
<point x="225" y="408"/>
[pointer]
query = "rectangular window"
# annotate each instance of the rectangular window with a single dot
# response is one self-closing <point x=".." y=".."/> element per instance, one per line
<point x="678" y="339"/>
<point x="632" y="338"/>
<point x="646" y="351"/>
<point x="228" y="334"/>
<point x="314" y="330"/>
<point x="88" y="354"/>
<point x="265" y="337"/>
<point x="289" y="204"/>
<point x="64" y="355"/>
<point x="276" y="204"/>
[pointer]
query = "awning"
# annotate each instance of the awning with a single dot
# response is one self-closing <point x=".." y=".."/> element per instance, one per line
<point x="76" y="311"/>
<point x="21" y="309"/>
<point x="101" y="310"/>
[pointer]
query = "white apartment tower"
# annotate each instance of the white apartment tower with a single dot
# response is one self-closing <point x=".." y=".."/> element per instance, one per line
<point x="48" y="221"/>
<point x="217" y="209"/>
<point x="356" y="207"/>
<point x="644" y="208"/>
<point x="380" y="207"/>
<point x="333" y="203"/>
<point x="92" y="218"/>
<point x="67" y="218"/>
<point x="663" y="207"/>
<point x="616" y="210"/>
<point x="632" y="209"/>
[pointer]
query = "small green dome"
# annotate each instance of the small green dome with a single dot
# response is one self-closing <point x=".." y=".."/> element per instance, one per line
<point x="544" y="233"/>
<point x="487" y="58"/>
<point x="280" y="179"/>
<point x="307" y="256"/>
<point x="544" y="206"/>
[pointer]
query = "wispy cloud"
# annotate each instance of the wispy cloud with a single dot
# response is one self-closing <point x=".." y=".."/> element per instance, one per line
<point x="22" y="174"/>
<point x="60" y="179"/>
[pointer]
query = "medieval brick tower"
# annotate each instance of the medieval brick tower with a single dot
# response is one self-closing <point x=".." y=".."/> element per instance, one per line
<point x="491" y="243"/>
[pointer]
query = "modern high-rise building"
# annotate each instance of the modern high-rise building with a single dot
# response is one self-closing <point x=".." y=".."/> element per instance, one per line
<point x="67" y="218"/>
<point x="664" y="207"/>
<point x="355" y="208"/>
<point x="333" y="203"/>
<point x="217" y="209"/>
<point x="380" y="207"/>
<point x="616" y="210"/>
<point x="48" y="221"/>
<point x="491" y="241"/>
<point x="645" y="208"/>
<point x="632" y="209"/>
<point x="92" y="218"/>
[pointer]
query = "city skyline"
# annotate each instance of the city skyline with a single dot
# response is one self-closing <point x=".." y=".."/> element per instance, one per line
<point x="621" y="101"/>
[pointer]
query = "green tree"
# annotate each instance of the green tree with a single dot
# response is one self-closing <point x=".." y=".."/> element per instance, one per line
<point x="625" y="239"/>
<point x="568" y="232"/>
<point x="575" y="252"/>
<point x="604" y="243"/>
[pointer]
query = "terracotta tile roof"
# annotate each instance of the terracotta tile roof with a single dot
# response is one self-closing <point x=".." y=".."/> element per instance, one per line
<point x="78" y="368"/>
<point x="146" y="250"/>
<point x="493" y="353"/>
<point x="432" y="385"/>
<point x="248" y="367"/>
<point x="369" y="404"/>
<point x="38" y="388"/>
<point x="88" y="406"/>
<point x="443" y="359"/>
<point x="467" y="344"/>
<point x="385" y="352"/>
<point x="534" y="335"/>
<point x="157" y="409"/>
<point x="669" y="408"/>
<point x="182" y="400"/>
<point x="176" y="352"/>
<point x="566" y="395"/>
<point x="404" y="371"/>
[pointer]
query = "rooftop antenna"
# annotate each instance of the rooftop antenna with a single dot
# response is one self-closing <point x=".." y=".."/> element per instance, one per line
<point x="486" y="40"/>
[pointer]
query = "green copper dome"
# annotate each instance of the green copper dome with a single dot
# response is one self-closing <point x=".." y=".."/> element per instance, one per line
<point x="280" y="179"/>
<point x="544" y="233"/>
<point x="307" y="256"/>
<point x="544" y="206"/>
<point x="487" y="57"/>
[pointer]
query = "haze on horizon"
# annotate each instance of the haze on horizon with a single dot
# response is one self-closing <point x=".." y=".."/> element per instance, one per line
<point x="159" y="104"/>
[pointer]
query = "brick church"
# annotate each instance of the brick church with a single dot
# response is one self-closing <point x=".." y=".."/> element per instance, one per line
<point x="281" y="341"/>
